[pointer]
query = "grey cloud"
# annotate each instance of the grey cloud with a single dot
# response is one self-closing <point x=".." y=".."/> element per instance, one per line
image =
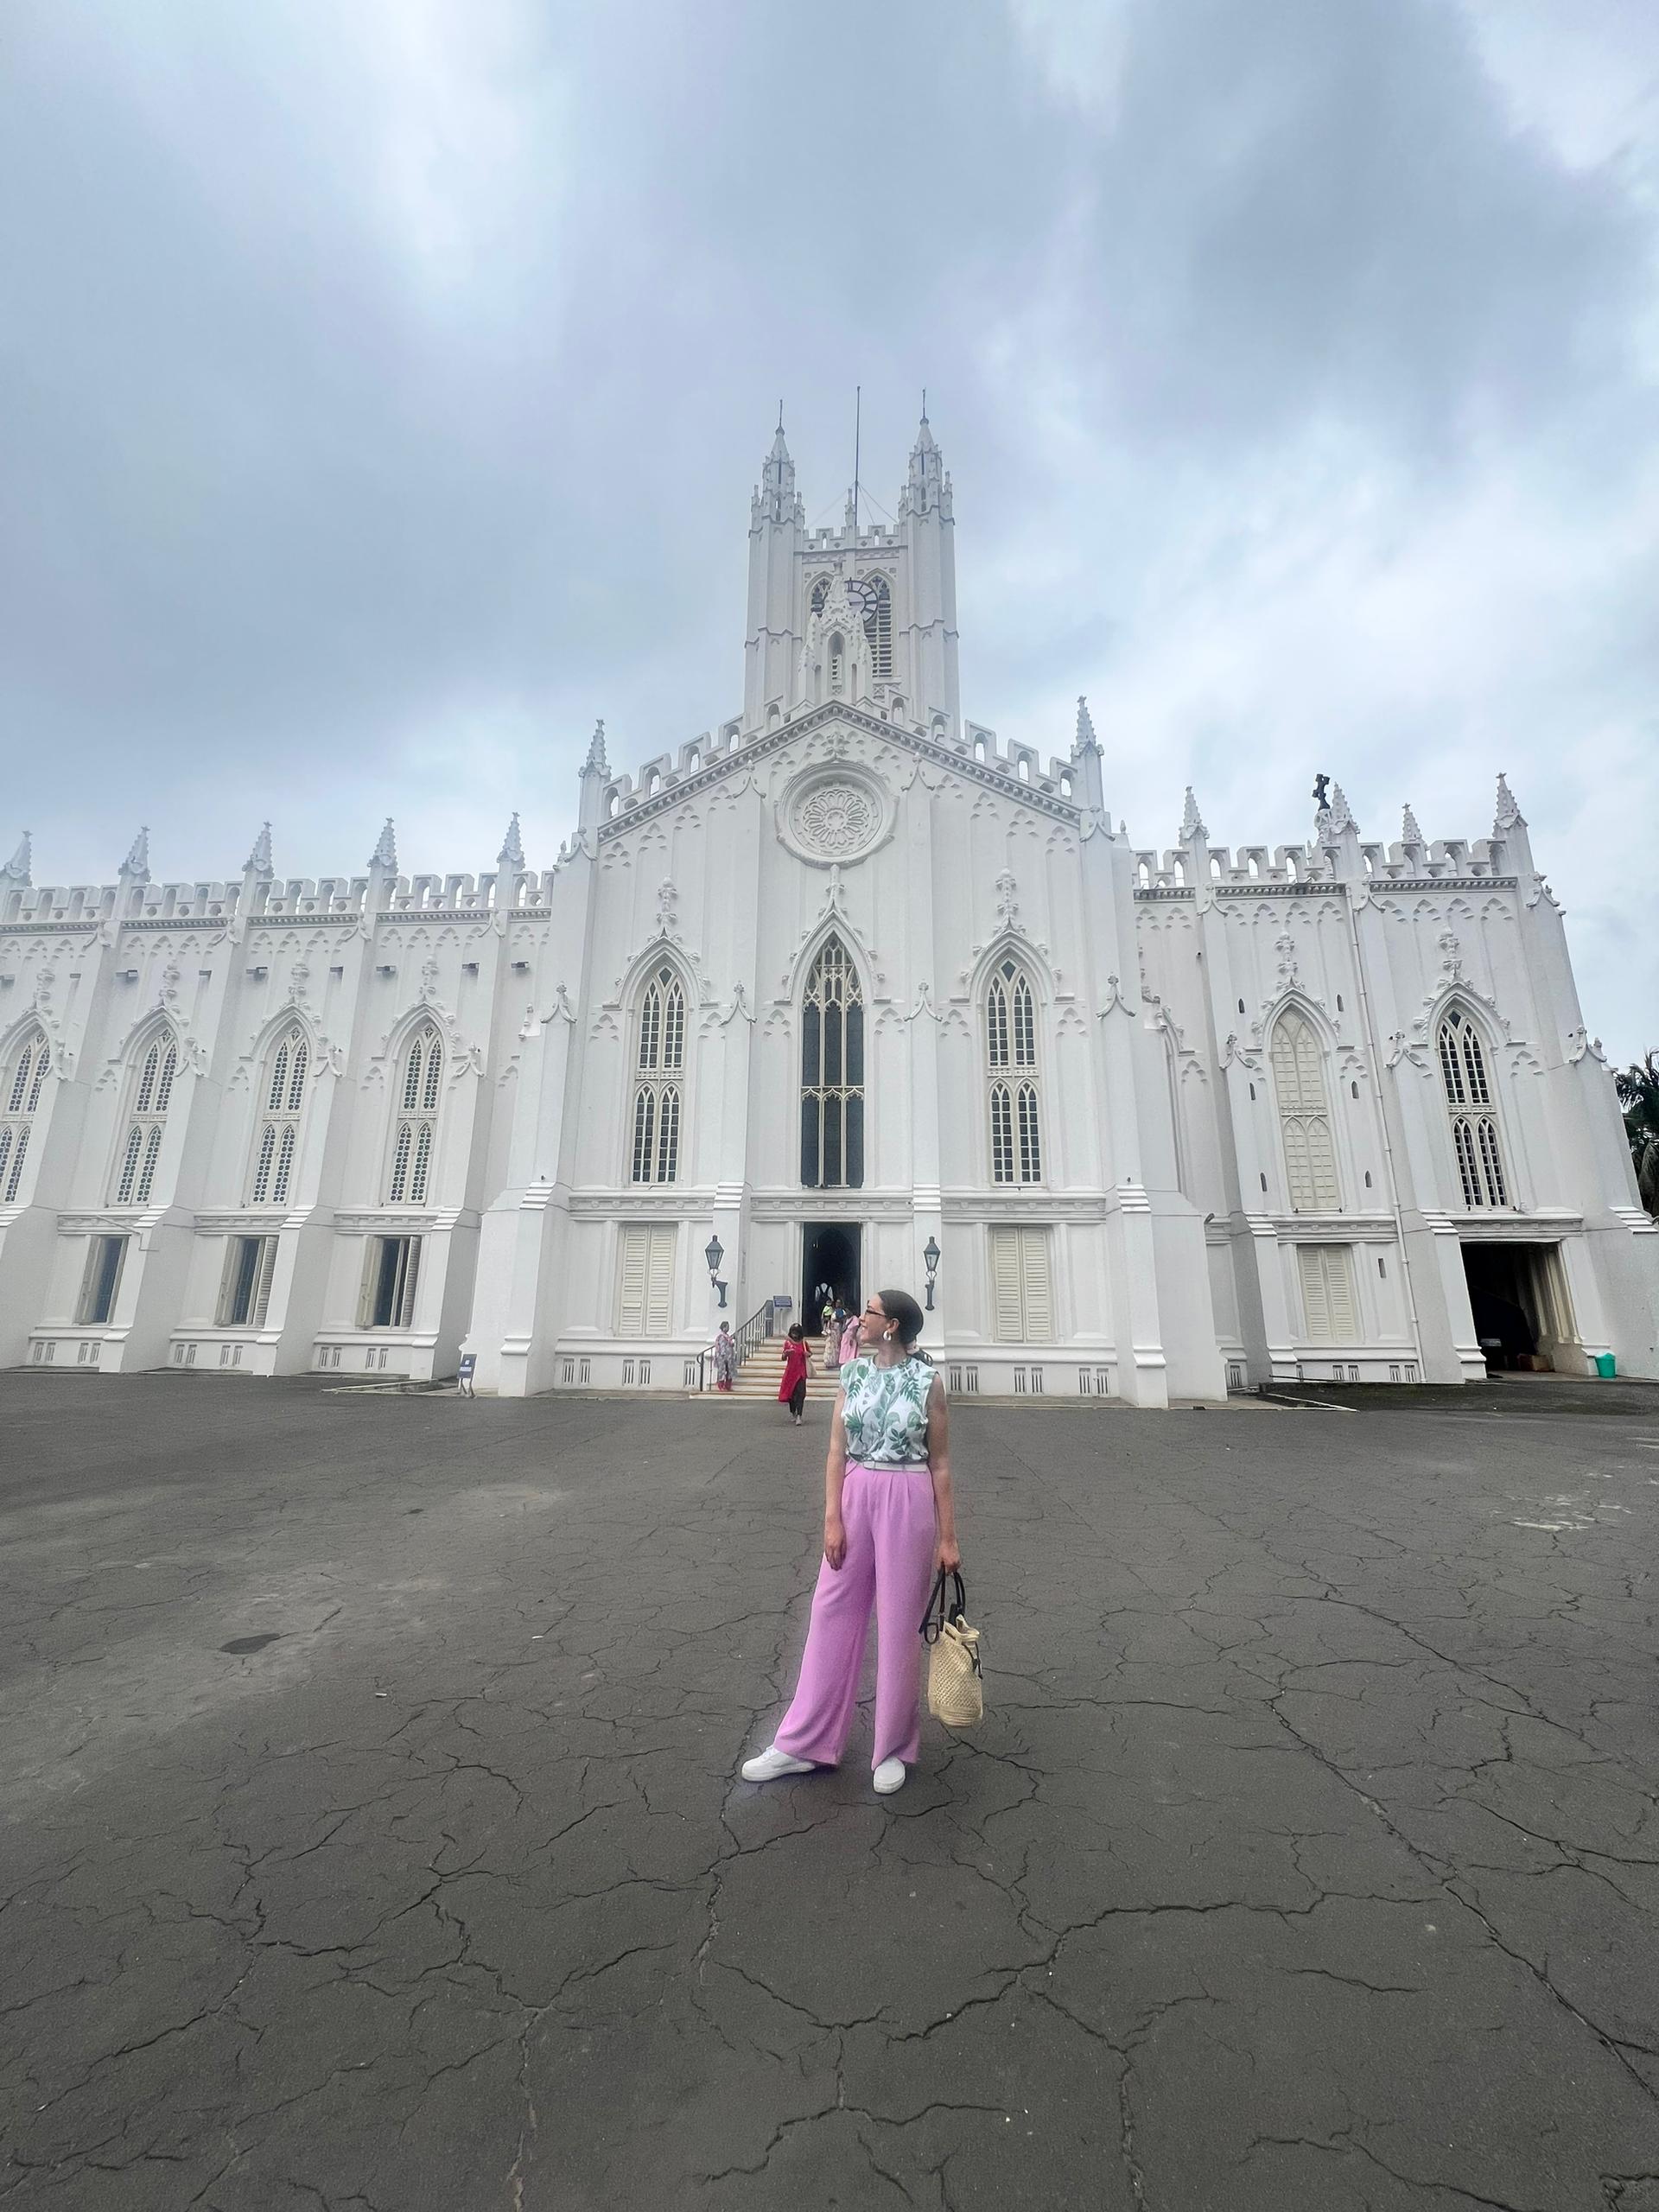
<point x="384" y="391"/>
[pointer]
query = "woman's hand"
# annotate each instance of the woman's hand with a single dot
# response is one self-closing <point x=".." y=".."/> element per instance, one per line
<point x="948" y="1556"/>
<point x="834" y="1541"/>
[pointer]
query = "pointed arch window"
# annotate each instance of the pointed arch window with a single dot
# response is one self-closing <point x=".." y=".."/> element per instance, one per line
<point x="1011" y="1057"/>
<point x="832" y="1073"/>
<point x="140" y="1148"/>
<point x="277" y="1137"/>
<point x="1304" y="1116"/>
<point x="20" y="1085"/>
<point x="415" y="1124"/>
<point x="659" y="1080"/>
<point x="1469" y="1107"/>
<point x="872" y="597"/>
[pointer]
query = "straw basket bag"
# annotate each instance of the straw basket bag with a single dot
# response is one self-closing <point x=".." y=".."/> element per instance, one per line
<point x="955" y="1690"/>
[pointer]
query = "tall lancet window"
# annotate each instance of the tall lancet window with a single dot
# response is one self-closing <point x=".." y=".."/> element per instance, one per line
<point x="21" y="1084"/>
<point x="277" y="1136"/>
<point x="141" y="1141"/>
<point x="415" y="1125"/>
<point x="1304" y="1116"/>
<point x="832" y="1073"/>
<point x="659" y="1080"/>
<point x="837" y="665"/>
<point x="1469" y="1104"/>
<point x="872" y="597"/>
<point x="1011" y="1052"/>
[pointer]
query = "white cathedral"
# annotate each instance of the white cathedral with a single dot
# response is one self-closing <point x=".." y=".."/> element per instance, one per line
<point x="845" y="993"/>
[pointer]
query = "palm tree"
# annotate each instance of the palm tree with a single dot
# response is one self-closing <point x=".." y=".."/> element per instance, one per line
<point x="1638" y="1094"/>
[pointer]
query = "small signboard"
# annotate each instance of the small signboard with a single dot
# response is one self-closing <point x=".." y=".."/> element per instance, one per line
<point x="464" y="1381"/>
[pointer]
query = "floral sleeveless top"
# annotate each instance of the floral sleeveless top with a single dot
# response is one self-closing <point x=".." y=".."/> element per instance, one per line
<point x="885" y="1411"/>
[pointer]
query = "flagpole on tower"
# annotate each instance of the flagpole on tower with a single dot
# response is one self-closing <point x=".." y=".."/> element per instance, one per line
<point x="858" y="426"/>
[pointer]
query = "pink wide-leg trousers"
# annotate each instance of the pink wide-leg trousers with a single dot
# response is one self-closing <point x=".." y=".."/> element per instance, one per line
<point x="887" y="1513"/>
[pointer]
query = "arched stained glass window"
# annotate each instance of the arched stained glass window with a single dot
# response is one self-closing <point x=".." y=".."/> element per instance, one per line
<point x="140" y="1148"/>
<point x="415" y="1127"/>
<point x="1469" y="1106"/>
<point x="1011" y="1055"/>
<point x="659" y="1068"/>
<point x="276" y="1135"/>
<point x="20" y="1094"/>
<point x="1304" y="1116"/>
<point x="832" y="1073"/>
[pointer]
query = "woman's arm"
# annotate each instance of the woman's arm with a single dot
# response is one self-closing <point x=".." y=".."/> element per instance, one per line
<point x="834" y="1474"/>
<point x="938" y="1466"/>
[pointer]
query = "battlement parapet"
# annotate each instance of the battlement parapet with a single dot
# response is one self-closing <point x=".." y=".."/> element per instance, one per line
<point x="96" y="905"/>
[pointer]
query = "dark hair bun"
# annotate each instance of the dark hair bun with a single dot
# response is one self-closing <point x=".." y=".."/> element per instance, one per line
<point x="898" y="1306"/>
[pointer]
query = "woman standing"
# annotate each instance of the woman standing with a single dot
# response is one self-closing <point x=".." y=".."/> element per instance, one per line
<point x="832" y="1336"/>
<point x="889" y="1523"/>
<point x="725" y="1350"/>
<point x="791" y="1391"/>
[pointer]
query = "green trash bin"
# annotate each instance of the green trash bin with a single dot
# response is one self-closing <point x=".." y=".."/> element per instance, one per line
<point x="1605" y="1366"/>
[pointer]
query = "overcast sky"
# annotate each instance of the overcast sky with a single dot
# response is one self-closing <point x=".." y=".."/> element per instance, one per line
<point x="384" y="385"/>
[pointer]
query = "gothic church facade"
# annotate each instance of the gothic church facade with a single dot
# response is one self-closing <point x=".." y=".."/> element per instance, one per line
<point x="842" y="989"/>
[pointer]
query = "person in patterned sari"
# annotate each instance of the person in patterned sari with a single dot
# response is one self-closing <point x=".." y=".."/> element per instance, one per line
<point x="889" y="1523"/>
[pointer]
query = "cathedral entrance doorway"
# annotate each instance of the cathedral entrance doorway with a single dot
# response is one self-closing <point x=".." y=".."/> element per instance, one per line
<point x="830" y="1258"/>
<point x="1523" y="1314"/>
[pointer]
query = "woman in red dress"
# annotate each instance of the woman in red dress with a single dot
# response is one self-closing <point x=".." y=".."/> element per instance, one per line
<point x="791" y="1391"/>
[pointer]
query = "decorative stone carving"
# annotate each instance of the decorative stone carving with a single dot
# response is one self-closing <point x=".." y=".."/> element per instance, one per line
<point x="835" y="814"/>
<point x="837" y="820"/>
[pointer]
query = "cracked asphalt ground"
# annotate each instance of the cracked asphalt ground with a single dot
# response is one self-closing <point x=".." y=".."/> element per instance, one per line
<point x="1307" y="1857"/>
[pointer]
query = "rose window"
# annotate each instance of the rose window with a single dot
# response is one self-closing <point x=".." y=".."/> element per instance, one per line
<point x="838" y="819"/>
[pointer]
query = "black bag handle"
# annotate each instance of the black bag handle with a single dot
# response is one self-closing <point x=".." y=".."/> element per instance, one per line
<point x="931" y="1626"/>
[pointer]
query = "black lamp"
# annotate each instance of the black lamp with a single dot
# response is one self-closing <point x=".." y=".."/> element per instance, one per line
<point x="930" y="1262"/>
<point x="714" y="1254"/>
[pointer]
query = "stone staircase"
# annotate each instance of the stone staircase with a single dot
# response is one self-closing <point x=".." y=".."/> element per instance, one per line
<point x="761" y="1373"/>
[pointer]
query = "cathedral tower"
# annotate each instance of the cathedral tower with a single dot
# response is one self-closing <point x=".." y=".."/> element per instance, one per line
<point x="867" y="611"/>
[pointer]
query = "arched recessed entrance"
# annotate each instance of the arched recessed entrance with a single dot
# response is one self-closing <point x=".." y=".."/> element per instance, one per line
<point x="830" y="1252"/>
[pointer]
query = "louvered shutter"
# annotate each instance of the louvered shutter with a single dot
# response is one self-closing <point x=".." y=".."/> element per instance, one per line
<point x="1007" y="1307"/>
<point x="1034" y="1271"/>
<point x="262" y="1281"/>
<point x="1339" y="1293"/>
<point x="227" y="1283"/>
<point x="659" y="1290"/>
<point x="632" y="1265"/>
<point x="1315" y="1306"/>
<point x="405" y="1316"/>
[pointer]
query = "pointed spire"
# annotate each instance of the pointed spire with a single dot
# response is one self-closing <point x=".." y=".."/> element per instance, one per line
<point x="1086" y="741"/>
<point x="1335" y="818"/>
<point x="1409" y="833"/>
<point x="137" y="861"/>
<point x="18" y="867"/>
<point x="596" y="764"/>
<point x="511" y="854"/>
<point x="259" y="858"/>
<point x="385" y="856"/>
<point x="775" y="498"/>
<point x="1191" y="823"/>
<point x="927" y="486"/>
<point x="1509" y="814"/>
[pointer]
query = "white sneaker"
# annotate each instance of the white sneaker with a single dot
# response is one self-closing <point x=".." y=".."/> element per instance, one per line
<point x="889" y="1777"/>
<point x="767" y="1765"/>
